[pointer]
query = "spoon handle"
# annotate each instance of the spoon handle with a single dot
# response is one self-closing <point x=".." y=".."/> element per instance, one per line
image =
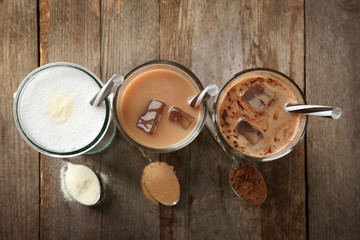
<point x="211" y="127"/>
<point x="315" y="110"/>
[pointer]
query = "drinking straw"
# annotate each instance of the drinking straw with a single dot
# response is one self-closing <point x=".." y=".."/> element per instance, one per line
<point x="199" y="98"/>
<point x="315" y="110"/>
<point x="115" y="80"/>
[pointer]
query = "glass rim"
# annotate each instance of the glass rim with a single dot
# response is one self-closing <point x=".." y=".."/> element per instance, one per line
<point x="181" y="144"/>
<point x="36" y="146"/>
<point x="245" y="156"/>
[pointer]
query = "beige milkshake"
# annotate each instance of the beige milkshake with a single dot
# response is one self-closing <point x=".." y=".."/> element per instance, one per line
<point x="153" y="110"/>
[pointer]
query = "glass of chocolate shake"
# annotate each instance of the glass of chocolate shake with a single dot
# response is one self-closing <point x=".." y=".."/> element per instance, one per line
<point x="152" y="110"/>
<point x="250" y="117"/>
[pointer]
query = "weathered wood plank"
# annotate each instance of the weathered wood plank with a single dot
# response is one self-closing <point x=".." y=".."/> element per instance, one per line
<point x="129" y="37"/>
<point x="176" y="30"/>
<point x="230" y="36"/>
<point x="332" y="71"/>
<point x="69" y="32"/>
<point x="19" y="163"/>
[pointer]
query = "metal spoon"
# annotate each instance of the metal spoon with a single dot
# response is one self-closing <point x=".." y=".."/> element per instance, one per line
<point x="235" y="161"/>
<point x="169" y="205"/>
<point x="152" y="159"/>
<point x="71" y="192"/>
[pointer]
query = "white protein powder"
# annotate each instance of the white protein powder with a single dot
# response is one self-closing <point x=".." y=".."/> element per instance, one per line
<point x="54" y="109"/>
<point x="82" y="184"/>
<point x="62" y="183"/>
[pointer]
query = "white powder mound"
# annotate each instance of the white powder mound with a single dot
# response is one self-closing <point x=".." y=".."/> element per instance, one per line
<point x="62" y="182"/>
<point x="55" y="112"/>
<point x="104" y="178"/>
<point x="82" y="184"/>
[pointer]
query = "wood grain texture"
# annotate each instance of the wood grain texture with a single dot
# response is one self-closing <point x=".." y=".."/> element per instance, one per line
<point x="129" y="37"/>
<point x="175" y="33"/>
<point x="69" y="32"/>
<point x="230" y="36"/>
<point x="332" y="71"/>
<point x="215" y="39"/>
<point x="19" y="163"/>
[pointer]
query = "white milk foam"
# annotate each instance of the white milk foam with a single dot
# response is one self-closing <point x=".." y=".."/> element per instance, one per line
<point x="67" y="127"/>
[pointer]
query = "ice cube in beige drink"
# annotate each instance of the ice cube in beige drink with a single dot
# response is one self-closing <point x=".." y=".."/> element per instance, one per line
<point x="277" y="129"/>
<point x="166" y="86"/>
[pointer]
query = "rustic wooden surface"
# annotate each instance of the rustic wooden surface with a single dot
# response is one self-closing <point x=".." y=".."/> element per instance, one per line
<point x="19" y="164"/>
<point x="134" y="25"/>
<point x="313" y="192"/>
<point x="333" y="150"/>
<point x="68" y="33"/>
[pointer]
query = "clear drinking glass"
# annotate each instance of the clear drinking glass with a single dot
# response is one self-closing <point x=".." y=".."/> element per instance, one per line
<point x="214" y="127"/>
<point x="99" y="143"/>
<point x="133" y="74"/>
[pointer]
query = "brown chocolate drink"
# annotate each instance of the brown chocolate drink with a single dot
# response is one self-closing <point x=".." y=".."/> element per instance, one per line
<point x="252" y="119"/>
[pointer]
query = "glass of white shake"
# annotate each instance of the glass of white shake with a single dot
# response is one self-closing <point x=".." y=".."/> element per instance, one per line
<point x="53" y="114"/>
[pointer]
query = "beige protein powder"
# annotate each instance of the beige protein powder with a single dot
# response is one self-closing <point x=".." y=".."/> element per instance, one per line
<point x="82" y="184"/>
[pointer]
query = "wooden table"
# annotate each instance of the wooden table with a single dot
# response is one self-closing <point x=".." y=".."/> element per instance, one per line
<point x="314" y="192"/>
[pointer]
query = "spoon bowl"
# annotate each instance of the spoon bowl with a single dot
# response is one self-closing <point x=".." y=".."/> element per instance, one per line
<point x="247" y="183"/>
<point x="160" y="183"/>
<point x="77" y="176"/>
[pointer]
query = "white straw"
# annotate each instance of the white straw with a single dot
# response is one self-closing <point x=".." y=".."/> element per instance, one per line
<point x="315" y="110"/>
<point x="199" y="98"/>
<point x="105" y="91"/>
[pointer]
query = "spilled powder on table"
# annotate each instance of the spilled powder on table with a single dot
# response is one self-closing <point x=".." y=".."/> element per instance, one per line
<point x="62" y="182"/>
<point x="104" y="178"/>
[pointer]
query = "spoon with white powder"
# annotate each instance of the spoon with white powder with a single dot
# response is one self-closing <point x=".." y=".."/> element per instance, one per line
<point x="82" y="184"/>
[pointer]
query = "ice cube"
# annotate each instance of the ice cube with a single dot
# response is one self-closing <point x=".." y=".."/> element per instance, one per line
<point x="148" y="121"/>
<point x="177" y="115"/>
<point x="258" y="96"/>
<point x="251" y="133"/>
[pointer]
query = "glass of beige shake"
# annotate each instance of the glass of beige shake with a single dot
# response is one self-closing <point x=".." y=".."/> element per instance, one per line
<point x="151" y="107"/>
<point x="250" y="118"/>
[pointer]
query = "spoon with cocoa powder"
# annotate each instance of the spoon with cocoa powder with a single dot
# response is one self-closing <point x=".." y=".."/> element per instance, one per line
<point x="245" y="180"/>
<point x="248" y="183"/>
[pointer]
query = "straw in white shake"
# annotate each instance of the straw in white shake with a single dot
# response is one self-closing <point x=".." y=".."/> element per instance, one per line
<point x="114" y="81"/>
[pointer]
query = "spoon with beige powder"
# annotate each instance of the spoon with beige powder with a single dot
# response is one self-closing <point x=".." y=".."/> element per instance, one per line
<point x="160" y="183"/>
<point x="82" y="184"/>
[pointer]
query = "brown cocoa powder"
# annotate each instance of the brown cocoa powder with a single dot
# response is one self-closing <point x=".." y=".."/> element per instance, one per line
<point x="249" y="184"/>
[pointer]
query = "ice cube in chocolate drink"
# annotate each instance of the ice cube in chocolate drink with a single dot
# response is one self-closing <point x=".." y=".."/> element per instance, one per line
<point x="258" y="96"/>
<point x="177" y="115"/>
<point x="251" y="133"/>
<point x="148" y="121"/>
